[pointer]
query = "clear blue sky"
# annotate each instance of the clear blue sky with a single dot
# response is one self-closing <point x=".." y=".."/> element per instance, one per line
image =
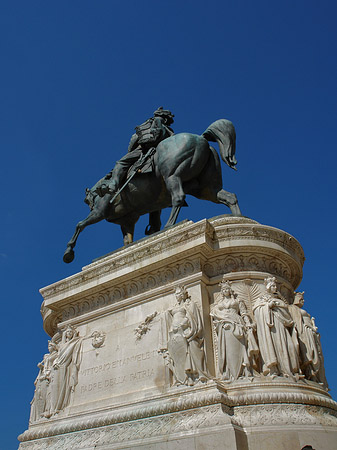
<point x="78" y="76"/>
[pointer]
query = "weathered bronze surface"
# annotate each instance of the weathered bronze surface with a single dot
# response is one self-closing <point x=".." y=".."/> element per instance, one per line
<point x="157" y="172"/>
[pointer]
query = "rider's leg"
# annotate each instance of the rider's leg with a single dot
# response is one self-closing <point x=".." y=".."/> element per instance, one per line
<point x="118" y="174"/>
<point x="121" y="168"/>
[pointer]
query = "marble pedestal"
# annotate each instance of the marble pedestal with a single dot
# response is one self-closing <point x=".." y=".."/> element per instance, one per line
<point x="112" y="387"/>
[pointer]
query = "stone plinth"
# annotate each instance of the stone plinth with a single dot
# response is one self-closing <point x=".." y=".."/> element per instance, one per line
<point x="147" y="352"/>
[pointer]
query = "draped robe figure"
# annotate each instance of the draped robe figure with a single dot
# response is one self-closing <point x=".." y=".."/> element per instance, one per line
<point x="310" y="350"/>
<point x="278" y="346"/>
<point x="41" y="401"/>
<point x="185" y="354"/>
<point x="65" y="370"/>
<point x="232" y="337"/>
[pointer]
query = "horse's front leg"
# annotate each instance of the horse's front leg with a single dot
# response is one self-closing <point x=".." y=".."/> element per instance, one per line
<point x="69" y="254"/>
<point x="96" y="215"/>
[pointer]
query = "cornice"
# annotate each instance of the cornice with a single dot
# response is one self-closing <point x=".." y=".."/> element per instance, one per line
<point x="220" y="245"/>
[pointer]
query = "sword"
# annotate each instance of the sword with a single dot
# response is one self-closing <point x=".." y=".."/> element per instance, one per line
<point x="135" y="169"/>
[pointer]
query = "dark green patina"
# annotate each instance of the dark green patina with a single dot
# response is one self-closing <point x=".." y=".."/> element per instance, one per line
<point x="158" y="171"/>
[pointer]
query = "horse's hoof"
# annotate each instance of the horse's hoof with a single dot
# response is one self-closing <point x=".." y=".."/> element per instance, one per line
<point x="69" y="255"/>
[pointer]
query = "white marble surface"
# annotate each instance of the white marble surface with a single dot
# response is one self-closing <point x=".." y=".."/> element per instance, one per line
<point x="135" y="334"/>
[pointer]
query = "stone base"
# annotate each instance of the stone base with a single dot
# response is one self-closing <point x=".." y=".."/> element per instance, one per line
<point x="121" y="390"/>
<point x="195" y="418"/>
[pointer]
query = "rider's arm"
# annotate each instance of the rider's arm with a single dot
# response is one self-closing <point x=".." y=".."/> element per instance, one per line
<point x="133" y="142"/>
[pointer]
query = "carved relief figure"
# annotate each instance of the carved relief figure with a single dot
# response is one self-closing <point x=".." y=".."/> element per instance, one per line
<point x="64" y="374"/>
<point x="274" y="325"/>
<point x="41" y="401"/>
<point x="229" y="317"/>
<point x="184" y="352"/>
<point x="310" y="350"/>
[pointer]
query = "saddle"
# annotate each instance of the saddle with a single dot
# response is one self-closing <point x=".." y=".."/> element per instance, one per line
<point x="146" y="167"/>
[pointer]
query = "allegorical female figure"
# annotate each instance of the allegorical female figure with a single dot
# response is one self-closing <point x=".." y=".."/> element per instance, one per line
<point x="228" y="318"/>
<point x="185" y="354"/>
<point x="64" y="374"/>
<point x="41" y="401"/>
<point x="277" y="343"/>
<point x="310" y="350"/>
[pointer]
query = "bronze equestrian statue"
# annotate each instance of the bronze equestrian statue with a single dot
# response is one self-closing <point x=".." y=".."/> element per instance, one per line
<point x="163" y="174"/>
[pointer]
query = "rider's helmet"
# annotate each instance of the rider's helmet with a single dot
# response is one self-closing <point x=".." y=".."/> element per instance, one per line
<point x="165" y="113"/>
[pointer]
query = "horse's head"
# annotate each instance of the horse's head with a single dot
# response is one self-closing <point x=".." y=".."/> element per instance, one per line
<point x="89" y="198"/>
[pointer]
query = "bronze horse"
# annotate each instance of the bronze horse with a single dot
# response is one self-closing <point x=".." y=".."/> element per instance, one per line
<point x="184" y="163"/>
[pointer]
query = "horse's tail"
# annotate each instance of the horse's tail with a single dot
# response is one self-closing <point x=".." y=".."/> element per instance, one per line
<point x="222" y="131"/>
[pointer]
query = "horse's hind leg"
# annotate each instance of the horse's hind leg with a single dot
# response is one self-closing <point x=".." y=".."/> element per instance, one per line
<point x="229" y="199"/>
<point x="174" y="186"/>
<point x="128" y="229"/>
<point x="173" y="216"/>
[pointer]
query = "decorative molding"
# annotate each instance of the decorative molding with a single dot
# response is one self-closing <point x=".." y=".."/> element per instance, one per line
<point x="278" y="254"/>
<point x="265" y="261"/>
<point x="151" y="246"/>
<point x="188" y="398"/>
<point x="266" y="397"/>
<point x="281" y="415"/>
<point x="171" y="273"/>
<point x="193" y="420"/>
<point x="161" y="407"/>
<point x="137" y="286"/>
<point x="248" y="228"/>
<point x="229" y="228"/>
